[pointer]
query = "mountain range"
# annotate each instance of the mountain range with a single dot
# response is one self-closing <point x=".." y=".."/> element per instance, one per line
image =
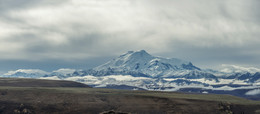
<point x="140" y="70"/>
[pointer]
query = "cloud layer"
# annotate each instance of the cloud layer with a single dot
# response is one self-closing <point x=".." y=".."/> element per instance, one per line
<point x="207" y="33"/>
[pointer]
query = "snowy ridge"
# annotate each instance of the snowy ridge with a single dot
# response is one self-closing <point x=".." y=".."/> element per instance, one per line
<point x="29" y="73"/>
<point x="162" y="84"/>
<point x="37" y="73"/>
<point x="231" y="69"/>
<point x="64" y="71"/>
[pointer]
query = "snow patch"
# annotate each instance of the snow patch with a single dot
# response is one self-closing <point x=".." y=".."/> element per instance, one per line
<point x="253" y="92"/>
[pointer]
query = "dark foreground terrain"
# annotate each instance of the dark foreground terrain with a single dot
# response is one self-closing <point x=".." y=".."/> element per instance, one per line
<point x="25" y="82"/>
<point x="75" y="100"/>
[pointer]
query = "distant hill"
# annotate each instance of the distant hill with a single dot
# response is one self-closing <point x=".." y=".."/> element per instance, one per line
<point x="24" y="82"/>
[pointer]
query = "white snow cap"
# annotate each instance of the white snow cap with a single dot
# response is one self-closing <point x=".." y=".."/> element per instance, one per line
<point x="253" y="92"/>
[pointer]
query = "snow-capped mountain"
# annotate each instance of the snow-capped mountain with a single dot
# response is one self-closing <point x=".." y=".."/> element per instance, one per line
<point x="26" y="73"/>
<point x="37" y="73"/>
<point x="142" y="63"/>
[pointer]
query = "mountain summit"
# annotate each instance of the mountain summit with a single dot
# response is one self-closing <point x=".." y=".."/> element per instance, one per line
<point x="143" y="62"/>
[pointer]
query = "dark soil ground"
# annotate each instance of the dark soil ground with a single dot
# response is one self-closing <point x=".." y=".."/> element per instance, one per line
<point x="74" y="100"/>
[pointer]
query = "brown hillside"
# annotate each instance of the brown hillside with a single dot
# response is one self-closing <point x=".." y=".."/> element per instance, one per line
<point x="24" y="82"/>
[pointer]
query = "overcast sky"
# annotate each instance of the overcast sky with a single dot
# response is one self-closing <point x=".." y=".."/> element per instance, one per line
<point x="52" y="34"/>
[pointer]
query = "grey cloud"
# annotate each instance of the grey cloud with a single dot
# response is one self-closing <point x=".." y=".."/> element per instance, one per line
<point x="21" y="4"/>
<point x="207" y="33"/>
